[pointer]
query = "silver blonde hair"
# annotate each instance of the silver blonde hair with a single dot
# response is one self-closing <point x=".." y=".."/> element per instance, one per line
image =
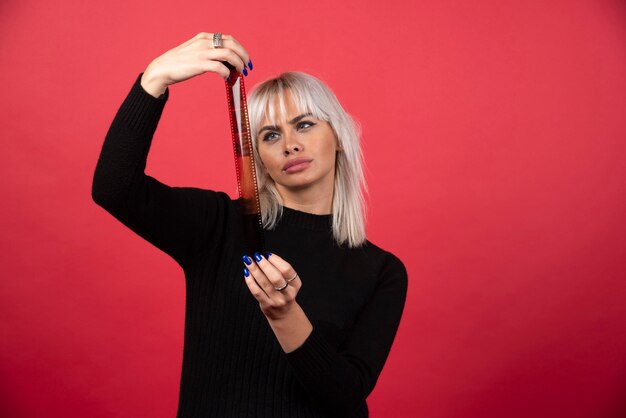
<point x="310" y="94"/>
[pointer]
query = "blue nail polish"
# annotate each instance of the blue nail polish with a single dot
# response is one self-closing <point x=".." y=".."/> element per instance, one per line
<point x="228" y="79"/>
<point x="250" y="64"/>
<point x="267" y="255"/>
<point x="246" y="272"/>
<point x="245" y="72"/>
<point x="247" y="260"/>
<point x="258" y="257"/>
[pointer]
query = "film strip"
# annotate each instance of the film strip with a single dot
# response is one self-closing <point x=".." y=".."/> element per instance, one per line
<point x="244" y="164"/>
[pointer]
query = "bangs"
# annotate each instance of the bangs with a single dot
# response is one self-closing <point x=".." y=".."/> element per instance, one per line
<point x="268" y="102"/>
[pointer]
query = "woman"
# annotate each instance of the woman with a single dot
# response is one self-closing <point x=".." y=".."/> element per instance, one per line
<point x="304" y="333"/>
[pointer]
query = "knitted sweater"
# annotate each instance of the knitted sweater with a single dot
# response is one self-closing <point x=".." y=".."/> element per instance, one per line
<point x="233" y="365"/>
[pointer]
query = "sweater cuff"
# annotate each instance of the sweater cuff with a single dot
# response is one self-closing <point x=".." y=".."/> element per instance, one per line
<point x="313" y="357"/>
<point x="141" y="110"/>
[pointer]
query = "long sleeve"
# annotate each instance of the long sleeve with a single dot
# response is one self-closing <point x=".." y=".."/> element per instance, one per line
<point x="232" y="364"/>
<point x="339" y="380"/>
<point x="177" y="220"/>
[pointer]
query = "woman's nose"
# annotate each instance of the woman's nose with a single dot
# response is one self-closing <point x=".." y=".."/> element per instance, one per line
<point x="292" y="149"/>
<point x="292" y="145"/>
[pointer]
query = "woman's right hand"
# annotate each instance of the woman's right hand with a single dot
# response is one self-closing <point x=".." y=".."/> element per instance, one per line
<point x="194" y="57"/>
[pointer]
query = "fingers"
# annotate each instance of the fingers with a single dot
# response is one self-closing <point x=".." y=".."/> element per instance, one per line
<point x="216" y="67"/>
<point x="255" y="289"/>
<point x="272" y="274"/>
<point x="225" y="55"/>
<point x="233" y="44"/>
<point x="194" y="57"/>
<point x="286" y="270"/>
<point x="265" y="274"/>
<point x="240" y="58"/>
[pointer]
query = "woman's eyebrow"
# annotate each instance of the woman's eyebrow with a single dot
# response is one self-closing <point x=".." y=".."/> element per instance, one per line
<point x="291" y="122"/>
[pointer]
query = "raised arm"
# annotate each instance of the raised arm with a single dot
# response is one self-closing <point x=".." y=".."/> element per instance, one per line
<point x="174" y="219"/>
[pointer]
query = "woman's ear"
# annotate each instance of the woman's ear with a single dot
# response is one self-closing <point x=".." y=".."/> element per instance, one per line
<point x="338" y="147"/>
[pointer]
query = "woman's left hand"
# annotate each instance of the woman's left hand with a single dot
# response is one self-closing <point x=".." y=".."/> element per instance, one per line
<point x="274" y="283"/>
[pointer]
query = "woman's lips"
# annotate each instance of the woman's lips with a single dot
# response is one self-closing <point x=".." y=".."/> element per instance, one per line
<point x="296" y="165"/>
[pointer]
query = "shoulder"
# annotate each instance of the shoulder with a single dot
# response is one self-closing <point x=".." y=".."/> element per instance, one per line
<point x="389" y="268"/>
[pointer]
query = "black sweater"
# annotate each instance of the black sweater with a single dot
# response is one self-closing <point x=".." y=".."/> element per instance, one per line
<point x="233" y="365"/>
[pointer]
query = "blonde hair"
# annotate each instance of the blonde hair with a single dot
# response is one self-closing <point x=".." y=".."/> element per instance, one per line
<point x="310" y="94"/>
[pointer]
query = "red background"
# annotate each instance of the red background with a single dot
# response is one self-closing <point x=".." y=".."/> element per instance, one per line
<point x="493" y="133"/>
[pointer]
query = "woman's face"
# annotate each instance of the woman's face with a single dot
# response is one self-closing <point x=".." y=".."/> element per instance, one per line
<point x="299" y="150"/>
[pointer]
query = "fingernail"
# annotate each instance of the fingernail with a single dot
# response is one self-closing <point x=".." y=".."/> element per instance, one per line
<point x="258" y="257"/>
<point x="247" y="260"/>
<point x="228" y="79"/>
<point x="246" y="272"/>
<point x="245" y="72"/>
<point x="250" y="64"/>
<point x="268" y="255"/>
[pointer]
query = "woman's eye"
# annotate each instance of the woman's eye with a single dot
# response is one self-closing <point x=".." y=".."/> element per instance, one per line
<point x="269" y="136"/>
<point x="305" y="125"/>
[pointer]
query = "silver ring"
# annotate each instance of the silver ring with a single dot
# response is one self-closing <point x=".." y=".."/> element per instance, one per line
<point x="280" y="289"/>
<point x="217" y="40"/>
<point x="293" y="278"/>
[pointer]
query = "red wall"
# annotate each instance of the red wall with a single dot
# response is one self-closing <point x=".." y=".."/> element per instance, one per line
<point x="494" y="134"/>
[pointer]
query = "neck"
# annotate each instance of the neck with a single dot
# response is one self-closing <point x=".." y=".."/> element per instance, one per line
<point x="311" y="200"/>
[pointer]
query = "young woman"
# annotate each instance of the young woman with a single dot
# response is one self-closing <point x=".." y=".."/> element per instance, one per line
<point x="302" y="331"/>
